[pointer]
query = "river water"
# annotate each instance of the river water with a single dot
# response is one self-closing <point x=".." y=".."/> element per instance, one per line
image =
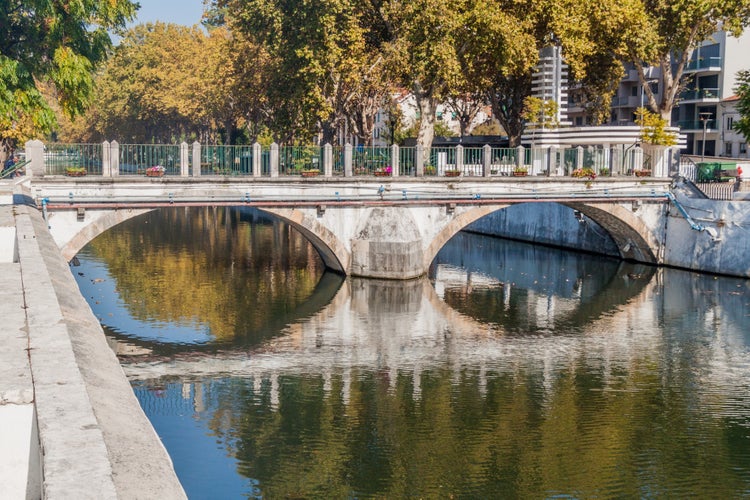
<point x="511" y="371"/>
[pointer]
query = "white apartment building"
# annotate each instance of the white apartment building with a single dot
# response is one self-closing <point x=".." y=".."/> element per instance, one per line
<point x="710" y="79"/>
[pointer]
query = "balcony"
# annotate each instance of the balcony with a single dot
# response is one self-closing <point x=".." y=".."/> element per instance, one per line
<point x="697" y="126"/>
<point x="704" y="64"/>
<point x="700" y="95"/>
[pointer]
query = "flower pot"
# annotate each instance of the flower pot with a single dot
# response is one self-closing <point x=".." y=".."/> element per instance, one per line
<point x="643" y="173"/>
<point x="520" y="174"/>
<point x="310" y="173"/>
<point x="382" y="174"/>
<point x="452" y="173"/>
<point x="154" y="174"/>
<point x="75" y="174"/>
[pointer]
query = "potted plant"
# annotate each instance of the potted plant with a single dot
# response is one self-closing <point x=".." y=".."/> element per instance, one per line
<point x="75" y="171"/>
<point x="643" y="173"/>
<point x="309" y="172"/>
<point x="155" y="171"/>
<point x="430" y="169"/>
<point x="452" y="172"/>
<point x="383" y="172"/>
<point x="583" y="173"/>
<point x="520" y="172"/>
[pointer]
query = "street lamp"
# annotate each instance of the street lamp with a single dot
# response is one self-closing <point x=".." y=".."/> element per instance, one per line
<point x="704" y="117"/>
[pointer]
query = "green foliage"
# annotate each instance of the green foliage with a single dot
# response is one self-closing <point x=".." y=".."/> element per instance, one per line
<point x="540" y="113"/>
<point x="743" y="106"/>
<point x="665" y="34"/>
<point x="489" y="127"/>
<point x="654" y="128"/>
<point x="49" y="49"/>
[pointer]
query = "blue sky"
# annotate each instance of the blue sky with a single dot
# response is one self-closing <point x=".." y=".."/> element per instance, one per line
<point x="187" y="12"/>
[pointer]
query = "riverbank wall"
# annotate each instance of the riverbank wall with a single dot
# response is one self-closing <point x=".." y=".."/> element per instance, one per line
<point x="724" y="248"/>
<point x="70" y="424"/>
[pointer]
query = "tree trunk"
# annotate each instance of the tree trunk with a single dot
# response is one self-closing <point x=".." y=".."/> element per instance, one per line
<point x="426" y="105"/>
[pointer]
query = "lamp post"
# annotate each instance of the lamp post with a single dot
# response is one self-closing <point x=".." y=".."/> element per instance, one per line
<point x="704" y="117"/>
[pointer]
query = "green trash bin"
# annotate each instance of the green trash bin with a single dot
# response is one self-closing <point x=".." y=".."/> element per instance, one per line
<point x="706" y="171"/>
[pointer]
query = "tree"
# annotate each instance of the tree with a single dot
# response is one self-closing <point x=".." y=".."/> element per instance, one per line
<point x="671" y="31"/>
<point x="423" y="55"/>
<point x="55" y="42"/>
<point x="325" y="62"/>
<point x="743" y="105"/>
<point x="654" y="128"/>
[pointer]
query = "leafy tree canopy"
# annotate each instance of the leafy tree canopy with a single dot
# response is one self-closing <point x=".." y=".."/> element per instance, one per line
<point x="56" y="42"/>
<point x="743" y="106"/>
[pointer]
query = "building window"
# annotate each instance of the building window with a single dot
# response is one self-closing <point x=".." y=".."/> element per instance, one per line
<point x="743" y="148"/>
<point x="634" y="91"/>
<point x="730" y="122"/>
<point x="728" y="148"/>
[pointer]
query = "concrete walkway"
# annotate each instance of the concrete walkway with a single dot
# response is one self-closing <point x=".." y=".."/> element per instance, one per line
<point x="70" y="424"/>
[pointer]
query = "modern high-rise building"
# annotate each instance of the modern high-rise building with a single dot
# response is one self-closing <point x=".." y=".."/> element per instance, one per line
<point x="710" y="79"/>
<point x="550" y="81"/>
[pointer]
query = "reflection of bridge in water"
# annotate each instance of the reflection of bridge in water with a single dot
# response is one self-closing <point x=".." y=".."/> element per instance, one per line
<point x="405" y="326"/>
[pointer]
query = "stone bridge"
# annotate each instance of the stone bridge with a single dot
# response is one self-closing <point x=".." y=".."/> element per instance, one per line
<point x="363" y="227"/>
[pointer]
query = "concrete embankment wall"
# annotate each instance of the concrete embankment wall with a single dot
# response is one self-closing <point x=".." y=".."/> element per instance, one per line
<point x="548" y="224"/>
<point x="554" y="224"/>
<point x="728" y="253"/>
<point x="94" y="441"/>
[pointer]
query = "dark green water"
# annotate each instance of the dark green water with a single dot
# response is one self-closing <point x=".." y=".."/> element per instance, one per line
<point x="514" y="371"/>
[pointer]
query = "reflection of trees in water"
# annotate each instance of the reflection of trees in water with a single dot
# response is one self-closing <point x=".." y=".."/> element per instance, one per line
<point x="506" y="436"/>
<point x="228" y="268"/>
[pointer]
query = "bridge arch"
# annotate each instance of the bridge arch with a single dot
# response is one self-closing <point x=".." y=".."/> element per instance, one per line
<point x="635" y="240"/>
<point x="330" y="248"/>
<point x="72" y="237"/>
<point x="99" y="221"/>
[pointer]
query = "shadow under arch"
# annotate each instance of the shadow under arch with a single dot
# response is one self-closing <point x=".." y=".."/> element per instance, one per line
<point x="634" y="240"/>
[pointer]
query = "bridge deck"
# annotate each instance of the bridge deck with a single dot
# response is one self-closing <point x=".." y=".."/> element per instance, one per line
<point x="124" y="192"/>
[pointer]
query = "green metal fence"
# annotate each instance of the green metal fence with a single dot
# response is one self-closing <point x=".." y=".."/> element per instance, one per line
<point x="407" y="161"/>
<point x="296" y="160"/>
<point x="226" y="160"/>
<point x="73" y="159"/>
<point x="371" y="160"/>
<point x="135" y="159"/>
<point x="503" y="161"/>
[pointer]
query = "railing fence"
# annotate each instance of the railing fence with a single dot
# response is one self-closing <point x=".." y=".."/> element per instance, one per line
<point x="109" y="159"/>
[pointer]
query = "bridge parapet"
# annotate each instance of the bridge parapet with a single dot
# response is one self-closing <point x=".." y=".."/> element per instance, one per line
<point x="110" y="159"/>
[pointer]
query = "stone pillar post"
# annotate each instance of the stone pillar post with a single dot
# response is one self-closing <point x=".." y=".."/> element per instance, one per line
<point x="520" y="153"/>
<point x="395" y="160"/>
<point x="114" y="158"/>
<point x="196" y="159"/>
<point x="348" y="153"/>
<point x="257" y="165"/>
<point x="35" y="154"/>
<point x="106" y="163"/>
<point x="579" y="157"/>
<point x="274" y="160"/>
<point x="419" y="161"/>
<point x="486" y="160"/>
<point x="459" y="158"/>
<point x="327" y="160"/>
<point x="184" y="160"/>
<point x="552" y="161"/>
